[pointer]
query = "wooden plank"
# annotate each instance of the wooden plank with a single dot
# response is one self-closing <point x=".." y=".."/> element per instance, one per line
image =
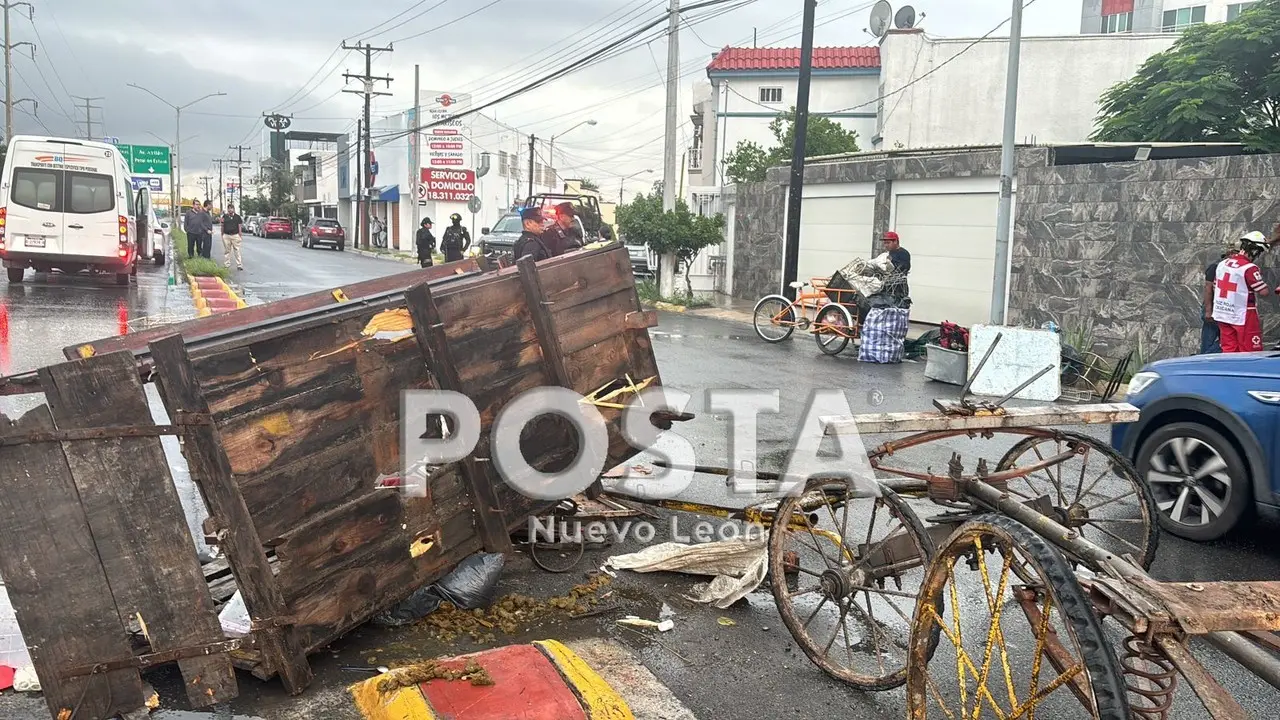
<point x="502" y="355"/>
<point x="281" y="650"/>
<point x="136" y="518"/>
<point x="585" y="278"/>
<point x="310" y="422"/>
<point x="435" y="347"/>
<point x="204" y="327"/>
<point x="1014" y="417"/>
<point x="593" y="323"/>
<point x="342" y="538"/>
<point x="55" y="580"/>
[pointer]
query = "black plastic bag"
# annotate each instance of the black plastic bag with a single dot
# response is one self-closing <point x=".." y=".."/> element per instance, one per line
<point x="472" y="584"/>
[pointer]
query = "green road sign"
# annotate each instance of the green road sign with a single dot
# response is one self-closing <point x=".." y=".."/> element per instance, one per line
<point x="147" y="159"/>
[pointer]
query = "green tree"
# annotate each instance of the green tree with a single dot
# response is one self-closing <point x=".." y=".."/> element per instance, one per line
<point x="748" y="161"/>
<point x="589" y="184"/>
<point x="1219" y="82"/>
<point x="679" y="232"/>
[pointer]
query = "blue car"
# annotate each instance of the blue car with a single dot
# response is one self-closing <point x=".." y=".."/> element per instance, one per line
<point x="1207" y="441"/>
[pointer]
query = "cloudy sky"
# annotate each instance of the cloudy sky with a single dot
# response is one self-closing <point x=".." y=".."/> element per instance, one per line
<point x="280" y="56"/>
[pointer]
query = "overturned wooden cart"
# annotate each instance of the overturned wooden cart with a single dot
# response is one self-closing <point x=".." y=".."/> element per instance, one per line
<point x="289" y="418"/>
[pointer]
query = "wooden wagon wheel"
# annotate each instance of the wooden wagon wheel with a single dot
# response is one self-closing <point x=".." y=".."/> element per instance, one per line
<point x="846" y="570"/>
<point x="1097" y="493"/>
<point x="1008" y="649"/>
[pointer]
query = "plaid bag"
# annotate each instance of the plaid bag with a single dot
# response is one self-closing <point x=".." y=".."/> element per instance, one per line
<point x="883" y="335"/>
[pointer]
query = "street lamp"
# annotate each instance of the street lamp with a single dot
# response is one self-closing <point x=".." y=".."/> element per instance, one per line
<point x="177" y="137"/>
<point x="551" y="154"/>
<point x="623" y="183"/>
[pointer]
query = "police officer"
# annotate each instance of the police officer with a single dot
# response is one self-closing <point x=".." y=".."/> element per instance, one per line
<point x="531" y="241"/>
<point x="568" y="236"/>
<point x="426" y="243"/>
<point x="456" y="239"/>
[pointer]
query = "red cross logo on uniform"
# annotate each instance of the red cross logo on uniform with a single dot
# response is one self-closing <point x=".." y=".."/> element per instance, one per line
<point x="1226" y="287"/>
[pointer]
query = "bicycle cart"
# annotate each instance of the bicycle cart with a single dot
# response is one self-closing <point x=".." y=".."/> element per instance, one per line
<point x="829" y="314"/>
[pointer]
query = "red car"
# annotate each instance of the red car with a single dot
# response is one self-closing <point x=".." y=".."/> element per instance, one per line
<point x="324" y="231"/>
<point x="277" y="227"/>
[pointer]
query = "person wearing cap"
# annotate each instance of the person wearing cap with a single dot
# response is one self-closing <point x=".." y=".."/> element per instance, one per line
<point x="1237" y="284"/>
<point x="901" y="260"/>
<point x="1209" y="333"/>
<point x="455" y="240"/>
<point x="531" y="242"/>
<point x="426" y="243"/>
<point x="569" y="235"/>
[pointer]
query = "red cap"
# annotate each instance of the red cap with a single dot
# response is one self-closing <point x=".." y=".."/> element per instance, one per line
<point x="891" y="235"/>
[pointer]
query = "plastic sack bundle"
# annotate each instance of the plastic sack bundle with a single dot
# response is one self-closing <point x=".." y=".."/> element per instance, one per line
<point x="883" y="335"/>
<point x="471" y="585"/>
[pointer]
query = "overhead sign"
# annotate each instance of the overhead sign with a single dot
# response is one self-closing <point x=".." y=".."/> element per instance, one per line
<point x="147" y="159"/>
<point x="447" y="185"/>
<point x="154" y="184"/>
<point x="447" y="143"/>
<point x="277" y="121"/>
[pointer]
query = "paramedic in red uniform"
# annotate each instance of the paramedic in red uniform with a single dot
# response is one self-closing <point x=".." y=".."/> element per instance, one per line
<point x="1235" y="308"/>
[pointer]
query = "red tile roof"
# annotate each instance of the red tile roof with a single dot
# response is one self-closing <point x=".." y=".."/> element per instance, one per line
<point x="824" y="58"/>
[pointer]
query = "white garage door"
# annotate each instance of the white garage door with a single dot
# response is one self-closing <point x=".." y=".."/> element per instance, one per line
<point x="833" y="231"/>
<point x="952" y="241"/>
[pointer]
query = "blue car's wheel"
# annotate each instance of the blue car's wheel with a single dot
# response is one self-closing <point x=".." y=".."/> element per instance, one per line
<point x="1199" y="483"/>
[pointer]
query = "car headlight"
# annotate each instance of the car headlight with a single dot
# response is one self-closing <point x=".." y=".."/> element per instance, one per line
<point x="1142" y="381"/>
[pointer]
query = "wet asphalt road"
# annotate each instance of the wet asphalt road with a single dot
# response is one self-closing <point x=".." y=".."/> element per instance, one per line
<point x="752" y="669"/>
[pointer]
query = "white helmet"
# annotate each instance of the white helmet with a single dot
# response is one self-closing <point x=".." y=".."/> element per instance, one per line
<point x="1253" y="242"/>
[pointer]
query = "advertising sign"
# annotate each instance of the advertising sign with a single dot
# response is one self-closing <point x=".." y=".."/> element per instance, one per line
<point x="446" y="145"/>
<point x="154" y="184"/>
<point x="447" y="185"/>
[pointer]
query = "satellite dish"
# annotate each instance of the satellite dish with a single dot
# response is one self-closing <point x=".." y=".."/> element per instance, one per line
<point x="906" y="18"/>
<point x="881" y="14"/>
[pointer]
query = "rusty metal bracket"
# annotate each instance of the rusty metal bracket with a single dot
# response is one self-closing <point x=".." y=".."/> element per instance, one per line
<point x="142" y="662"/>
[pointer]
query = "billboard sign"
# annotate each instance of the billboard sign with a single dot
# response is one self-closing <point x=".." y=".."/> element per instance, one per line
<point x="447" y="144"/>
<point x="446" y="185"/>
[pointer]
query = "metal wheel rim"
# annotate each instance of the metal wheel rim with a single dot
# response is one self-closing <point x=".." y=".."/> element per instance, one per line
<point x="1139" y="540"/>
<point x="1188" y="474"/>
<point x="835" y="342"/>
<point x="763" y="320"/>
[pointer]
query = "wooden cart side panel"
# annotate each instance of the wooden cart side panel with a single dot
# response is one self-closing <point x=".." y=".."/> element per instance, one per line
<point x="280" y="647"/>
<point x="204" y="327"/>
<point x="55" y="579"/>
<point x="136" y="518"/>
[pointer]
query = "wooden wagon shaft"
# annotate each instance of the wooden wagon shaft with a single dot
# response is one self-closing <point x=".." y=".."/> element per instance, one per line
<point x="148" y="660"/>
<point x="1020" y="417"/>
<point x="103" y="433"/>
<point x="236" y="320"/>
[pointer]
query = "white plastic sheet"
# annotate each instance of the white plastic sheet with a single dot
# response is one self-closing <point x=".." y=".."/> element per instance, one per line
<point x="737" y="566"/>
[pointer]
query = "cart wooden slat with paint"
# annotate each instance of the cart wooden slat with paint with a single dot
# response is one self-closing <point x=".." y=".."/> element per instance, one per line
<point x="289" y="415"/>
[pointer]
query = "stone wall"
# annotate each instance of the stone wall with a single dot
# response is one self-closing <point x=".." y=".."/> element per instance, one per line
<point x="759" y="228"/>
<point x="1119" y="250"/>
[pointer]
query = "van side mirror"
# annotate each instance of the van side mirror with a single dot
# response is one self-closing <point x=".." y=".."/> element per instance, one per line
<point x="484" y="231"/>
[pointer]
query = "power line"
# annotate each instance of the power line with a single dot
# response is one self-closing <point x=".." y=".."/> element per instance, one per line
<point x="445" y="25"/>
<point x="367" y="33"/>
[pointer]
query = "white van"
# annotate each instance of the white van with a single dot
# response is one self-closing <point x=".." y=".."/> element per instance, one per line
<point x="67" y="205"/>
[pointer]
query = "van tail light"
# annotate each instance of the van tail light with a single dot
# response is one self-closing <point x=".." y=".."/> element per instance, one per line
<point x="4" y="217"/>
<point x="124" y="230"/>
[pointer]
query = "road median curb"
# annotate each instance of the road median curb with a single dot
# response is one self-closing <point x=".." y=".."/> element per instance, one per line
<point x="395" y="257"/>
<point x="212" y="294"/>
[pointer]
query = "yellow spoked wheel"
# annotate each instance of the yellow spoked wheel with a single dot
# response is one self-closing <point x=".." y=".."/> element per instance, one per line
<point x="845" y="573"/>
<point x="1019" y="638"/>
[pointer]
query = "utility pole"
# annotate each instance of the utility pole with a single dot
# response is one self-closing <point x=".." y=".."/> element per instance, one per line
<point x="795" y="190"/>
<point x="88" y="107"/>
<point x="667" y="262"/>
<point x="222" y="187"/>
<point x="205" y="179"/>
<point x="8" y="65"/>
<point x="240" y="164"/>
<point x="415" y="169"/>
<point x="364" y="201"/>
<point x="1004" y="216"/>
<point x="532" y="140"/>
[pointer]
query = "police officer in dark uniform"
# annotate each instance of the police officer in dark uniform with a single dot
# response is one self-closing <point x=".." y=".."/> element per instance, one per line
<point x="531" y="241"/>
<point x="566" y="232"/>
<point x="456" y="239"/>
<point x="426" y="243"/>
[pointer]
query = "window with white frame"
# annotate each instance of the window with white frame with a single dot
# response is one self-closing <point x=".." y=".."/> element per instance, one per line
<point x="1175" y="20"/>
<point x="1233" y="11"/>
<point x="770" y="94"/>
<point x="1117" y="23"/>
